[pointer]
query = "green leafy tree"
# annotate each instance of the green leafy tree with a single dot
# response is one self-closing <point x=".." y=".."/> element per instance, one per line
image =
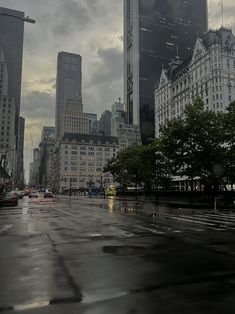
<point x="140" y="165"/>
<point x="229" y="144"/>
<point x="194" y="144"/>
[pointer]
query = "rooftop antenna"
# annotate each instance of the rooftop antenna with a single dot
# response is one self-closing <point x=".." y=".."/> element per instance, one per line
<point x="222" y="13"/>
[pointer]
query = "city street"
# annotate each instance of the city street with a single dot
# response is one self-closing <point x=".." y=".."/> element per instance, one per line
<point x="92" y="255"/>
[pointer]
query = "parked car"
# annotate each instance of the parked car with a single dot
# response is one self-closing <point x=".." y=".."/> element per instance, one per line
<point x="9" y="199"/>
<point x="48" y="195"/>
<point x="33" y="195"/>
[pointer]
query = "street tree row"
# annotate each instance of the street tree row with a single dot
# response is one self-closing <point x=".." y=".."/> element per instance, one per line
<point x="201" y="144"/>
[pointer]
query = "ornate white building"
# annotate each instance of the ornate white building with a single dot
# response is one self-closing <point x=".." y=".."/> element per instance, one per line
<point x="208" y="74"/>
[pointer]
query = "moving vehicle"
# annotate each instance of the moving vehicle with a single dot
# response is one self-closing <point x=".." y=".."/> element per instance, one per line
<point x="110" y="190"/>
<point x="48" y="195"/>
<point x="9" y="199"/>
<point x="33" y="195"/>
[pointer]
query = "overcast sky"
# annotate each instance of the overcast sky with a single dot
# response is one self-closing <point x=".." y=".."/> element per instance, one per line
<point x="91" y="28"/>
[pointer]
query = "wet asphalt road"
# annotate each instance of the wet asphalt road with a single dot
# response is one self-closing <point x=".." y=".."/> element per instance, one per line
<point x="117" y="257"/>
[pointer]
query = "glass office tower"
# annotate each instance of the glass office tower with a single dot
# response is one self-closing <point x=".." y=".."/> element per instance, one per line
<point x="68" y="83"/>
<point x="155" y="32"/>
<point x="11" y="40"/>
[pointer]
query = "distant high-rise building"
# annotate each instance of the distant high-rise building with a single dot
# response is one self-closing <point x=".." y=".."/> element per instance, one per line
<point x="47" y="150"/>
<point x="119" y="115"/>
<point x="35" y="168"/>
<point x="155" y="32"/>
<point x="48" y="132"/>
<point x="104" y="124"/>
<point x="74" y="120"/>
<point x="68" y="83"/>
<point x="127" y="134"/>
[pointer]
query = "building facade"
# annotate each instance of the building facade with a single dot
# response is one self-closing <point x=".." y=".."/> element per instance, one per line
<point x="20" y="153"/>
<point x="35" y="168"/>
<point x="47" y="151"/>
<point x="127" y="134"/>
<point x="119" y="115"/>
<point x="74" y="120"/>
<point x="48" y="132"/>
<point x="47" y="155"/>
<point x="208" y="74"/>
<point x="7" y="123"/>
<point x="104" y="124"/>
<point x="80" y="159"/>
<point x="154" y="33"/>
<point x="68" y="83"/>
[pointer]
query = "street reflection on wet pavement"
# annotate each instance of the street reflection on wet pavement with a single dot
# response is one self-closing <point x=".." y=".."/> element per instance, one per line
<point x="94" y="255"/>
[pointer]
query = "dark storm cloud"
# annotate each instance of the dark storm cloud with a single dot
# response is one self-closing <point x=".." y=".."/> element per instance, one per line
<point x="39" y="105"/>
<point x="104" y="85"/>
<point x="109" y="68"/>
<point x="76" y="15"/>
<point x="215" y="14"/>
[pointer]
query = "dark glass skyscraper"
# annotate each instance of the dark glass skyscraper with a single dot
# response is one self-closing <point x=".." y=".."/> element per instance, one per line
<point x="155" y="32"/>
<point x="11" y="40"/>
<point x="68" y="82"/>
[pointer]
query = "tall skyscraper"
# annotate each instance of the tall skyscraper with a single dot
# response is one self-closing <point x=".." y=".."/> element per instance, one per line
<point x="68" y="83"/>
<point x="155" y="32"/>
<point x="11" y="40"/>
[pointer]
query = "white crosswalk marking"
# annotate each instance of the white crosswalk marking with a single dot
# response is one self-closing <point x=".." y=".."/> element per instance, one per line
<point x="217" y="221"/>
<point x="180" y="221"/>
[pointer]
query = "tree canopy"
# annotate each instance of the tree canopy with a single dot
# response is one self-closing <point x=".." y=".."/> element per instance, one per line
<point x="201" y="144"/>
